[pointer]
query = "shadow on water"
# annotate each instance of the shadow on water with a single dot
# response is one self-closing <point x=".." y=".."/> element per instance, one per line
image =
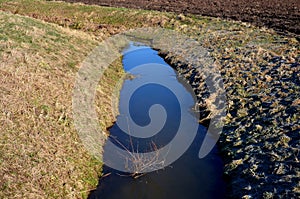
<point x="188" y="177"/>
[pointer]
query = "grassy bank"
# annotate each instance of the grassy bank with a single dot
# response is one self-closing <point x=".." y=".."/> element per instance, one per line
<point x="99" y="21"/>
<point x="41" y="155"/>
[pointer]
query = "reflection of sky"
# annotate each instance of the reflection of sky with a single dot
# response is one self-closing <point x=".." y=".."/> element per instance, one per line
<point x="145" y="63"/>
<point x="138" y="55"/>
<point x="188" y="177"/>
<point x="156" y="83"/>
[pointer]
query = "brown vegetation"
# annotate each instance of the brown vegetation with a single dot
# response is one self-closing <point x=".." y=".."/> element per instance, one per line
<point x="280" y="15"/>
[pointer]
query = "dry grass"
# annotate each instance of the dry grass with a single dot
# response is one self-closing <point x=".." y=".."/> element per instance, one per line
<point x="41" y="155"/>
<point x="138" y="164"/>
<point x="99" y="21"/>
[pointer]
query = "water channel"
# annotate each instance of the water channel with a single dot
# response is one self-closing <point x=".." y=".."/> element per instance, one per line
<point x="188" y="177"/>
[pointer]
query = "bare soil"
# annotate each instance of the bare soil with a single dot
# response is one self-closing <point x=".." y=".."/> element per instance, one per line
<point x="283" y="16"/>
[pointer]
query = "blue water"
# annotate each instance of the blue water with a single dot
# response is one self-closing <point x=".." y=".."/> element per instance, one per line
<point x="188" y="177"/>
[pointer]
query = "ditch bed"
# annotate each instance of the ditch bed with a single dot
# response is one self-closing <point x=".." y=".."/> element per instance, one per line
<point x="187" y="176"/>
